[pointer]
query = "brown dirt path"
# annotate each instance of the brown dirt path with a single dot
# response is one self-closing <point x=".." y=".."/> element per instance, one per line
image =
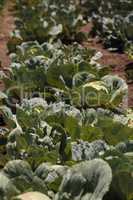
<point x="7" y="25"/>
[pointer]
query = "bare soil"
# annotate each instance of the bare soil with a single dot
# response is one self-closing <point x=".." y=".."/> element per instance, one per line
<point x="7" y="22"/>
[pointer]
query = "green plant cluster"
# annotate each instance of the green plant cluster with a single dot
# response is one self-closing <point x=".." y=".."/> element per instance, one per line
<point x="1" y="3"/>
<point x="64" y="132"/>
<point x="113" y="22"/>
<point x="50" y="20"/>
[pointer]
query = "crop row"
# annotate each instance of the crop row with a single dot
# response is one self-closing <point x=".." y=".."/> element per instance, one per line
<point x="65" y="130"/>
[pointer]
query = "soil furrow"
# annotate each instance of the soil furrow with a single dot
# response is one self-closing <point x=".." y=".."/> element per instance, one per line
<point x="7" y="25"/>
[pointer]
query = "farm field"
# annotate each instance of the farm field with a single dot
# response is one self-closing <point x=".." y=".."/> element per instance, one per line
<point x="66" y="100"/>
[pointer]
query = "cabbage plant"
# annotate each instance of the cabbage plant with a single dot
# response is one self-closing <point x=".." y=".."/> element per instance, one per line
<point x="112" y="22"/>
<point x="46" y="20"/>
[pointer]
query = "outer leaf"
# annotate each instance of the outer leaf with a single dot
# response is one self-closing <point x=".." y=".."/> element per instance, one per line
<point x="31" y="196"/>
<point x="95" y="176"/>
